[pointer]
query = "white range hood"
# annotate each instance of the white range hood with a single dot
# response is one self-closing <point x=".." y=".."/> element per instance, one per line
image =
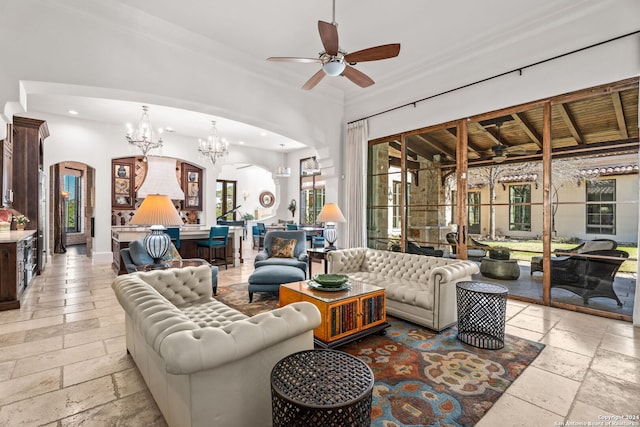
<point x="161" y="179"/>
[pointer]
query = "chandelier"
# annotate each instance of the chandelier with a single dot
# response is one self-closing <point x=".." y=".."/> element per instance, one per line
<point x="213" y="148"/>
<point x="282" y="171"/>
<point x="142" y="137"/>
<point x="311" y="166"/>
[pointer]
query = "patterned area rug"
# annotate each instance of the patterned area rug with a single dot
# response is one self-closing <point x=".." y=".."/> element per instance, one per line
<point x="422" y="378"/>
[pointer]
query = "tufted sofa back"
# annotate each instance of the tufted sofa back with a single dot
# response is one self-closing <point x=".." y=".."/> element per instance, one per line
<point x="181" y="286"/>
<point x="420" y="269"/>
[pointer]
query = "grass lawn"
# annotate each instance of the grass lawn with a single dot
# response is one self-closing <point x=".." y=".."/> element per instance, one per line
<point x="525" y="249"/>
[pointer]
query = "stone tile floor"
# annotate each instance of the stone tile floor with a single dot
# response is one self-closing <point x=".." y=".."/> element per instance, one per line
<point x="63" y="359"/>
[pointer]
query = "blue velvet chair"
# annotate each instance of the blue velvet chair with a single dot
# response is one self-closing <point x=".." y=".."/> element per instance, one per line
<point x="136" y="255"/>
<point x="174" y="233"/>
<point x="218" y="239"/>
<point x="299" y="258"/>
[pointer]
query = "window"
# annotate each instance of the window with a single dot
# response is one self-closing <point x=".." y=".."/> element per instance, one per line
<point x="311" y="194"/>
<point x="225" y="198"/>
<point x="520" y="207"/>
<point x="473" y="211"/>
<point x="72" y="206"/>
<point x="396" y="195"/>
<point x="601" y="217"/>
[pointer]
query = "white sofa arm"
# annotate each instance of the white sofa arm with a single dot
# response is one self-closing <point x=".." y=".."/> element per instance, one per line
<point x="452" y="272"/>
<point x="190" y="351"/>
<point x="346" y="260"/>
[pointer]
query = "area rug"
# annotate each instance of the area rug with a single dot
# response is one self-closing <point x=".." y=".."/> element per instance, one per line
<point x="423" y="378"/>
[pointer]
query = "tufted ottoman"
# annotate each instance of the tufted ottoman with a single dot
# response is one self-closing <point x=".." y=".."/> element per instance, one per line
<point x="268" y="278"/>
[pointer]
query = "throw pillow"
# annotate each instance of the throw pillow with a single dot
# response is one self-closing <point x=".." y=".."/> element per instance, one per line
<point x="283" y="248"/>
<point x="139" y="254"/>
<point x="172" y="254"/>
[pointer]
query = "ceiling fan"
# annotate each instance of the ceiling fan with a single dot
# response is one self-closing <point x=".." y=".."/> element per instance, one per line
<point x="337" y="62"/>
<point x="500" y="151"/>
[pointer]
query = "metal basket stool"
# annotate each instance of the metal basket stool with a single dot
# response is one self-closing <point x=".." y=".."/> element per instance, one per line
<point x="321" y="388"/>
<point x="482" y="309"/>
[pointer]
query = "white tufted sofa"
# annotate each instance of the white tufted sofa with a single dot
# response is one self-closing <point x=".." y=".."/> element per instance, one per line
<point x="418" y="288"/>
<point x="205" y="363"/>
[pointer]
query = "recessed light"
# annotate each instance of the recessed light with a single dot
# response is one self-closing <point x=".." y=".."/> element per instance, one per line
<point x="73" y="112"/>
<point x="169" y="129"/>
<point x="241" y="142"/>
<point x="263" y="134"/>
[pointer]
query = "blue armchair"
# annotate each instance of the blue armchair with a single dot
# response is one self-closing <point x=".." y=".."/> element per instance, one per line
<point x="136" y="255"/>
<point x="299" y="259"/>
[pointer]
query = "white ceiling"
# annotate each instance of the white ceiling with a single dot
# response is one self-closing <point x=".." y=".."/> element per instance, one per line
<point x="435" y="36"/>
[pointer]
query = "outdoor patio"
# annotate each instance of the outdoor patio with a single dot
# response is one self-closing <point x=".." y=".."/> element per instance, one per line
<point x="530" y="286"/>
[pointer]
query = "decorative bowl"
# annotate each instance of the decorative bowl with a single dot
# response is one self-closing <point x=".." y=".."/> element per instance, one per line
<point x="331" y="280"/>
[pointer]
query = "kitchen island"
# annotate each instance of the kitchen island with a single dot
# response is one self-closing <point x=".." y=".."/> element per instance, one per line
<point x="189" y="235"/>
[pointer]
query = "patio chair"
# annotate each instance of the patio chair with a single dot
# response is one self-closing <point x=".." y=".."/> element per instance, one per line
<point x="587" y="246"/>
<point x="587" y="276"/>
<point x="476" y="249"/>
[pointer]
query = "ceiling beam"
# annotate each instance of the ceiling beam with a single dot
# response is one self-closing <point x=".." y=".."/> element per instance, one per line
<point x="397" y="146"/>
<point x="570" y="122"/>
<point x="527" y="128"/>
<point x="470" y="145"/>
<point x="435" y="145"/>
<point x="622" y="123"/>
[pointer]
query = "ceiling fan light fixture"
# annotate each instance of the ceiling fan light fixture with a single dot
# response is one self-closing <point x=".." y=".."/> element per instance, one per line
<point x="334" y="68"/>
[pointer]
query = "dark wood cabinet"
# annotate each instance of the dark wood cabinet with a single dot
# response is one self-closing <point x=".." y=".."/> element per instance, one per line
<point x="123" y="183"/>
<point x="28" y="178"/>
<point x="17" y="264"/>
<point x="192" y="187"/>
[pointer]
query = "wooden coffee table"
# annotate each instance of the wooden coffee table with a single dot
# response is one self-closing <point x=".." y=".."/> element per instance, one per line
<point x="346" y="315"/>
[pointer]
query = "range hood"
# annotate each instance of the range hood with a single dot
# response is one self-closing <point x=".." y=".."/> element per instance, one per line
<point x="161" y="179"/>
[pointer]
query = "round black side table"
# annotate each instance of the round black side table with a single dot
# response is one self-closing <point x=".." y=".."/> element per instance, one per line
<point x="321" y="388"/>
<point x="482" y="309"/>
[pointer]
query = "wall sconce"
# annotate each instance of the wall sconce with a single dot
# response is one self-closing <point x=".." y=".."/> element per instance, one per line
<point x="390" y="194"/>
<point x="245" y="195"/>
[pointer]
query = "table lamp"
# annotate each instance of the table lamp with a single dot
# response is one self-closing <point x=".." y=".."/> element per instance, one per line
<point x="330" y="215"/>
<point x="156" y="210"/>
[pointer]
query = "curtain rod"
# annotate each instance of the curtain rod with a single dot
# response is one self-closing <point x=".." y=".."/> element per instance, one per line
<point x="519" y="70"/>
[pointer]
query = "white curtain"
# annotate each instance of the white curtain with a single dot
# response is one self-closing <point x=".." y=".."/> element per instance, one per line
<point x="356" y="192"/>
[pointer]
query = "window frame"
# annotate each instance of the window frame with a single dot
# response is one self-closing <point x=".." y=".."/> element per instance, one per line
<point x="600" y="228"/>
<point x="520" y="208"/>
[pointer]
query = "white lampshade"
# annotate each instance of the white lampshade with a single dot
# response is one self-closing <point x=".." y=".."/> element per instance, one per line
<point x="331" y="213"/>
<point x="334" y="68"/>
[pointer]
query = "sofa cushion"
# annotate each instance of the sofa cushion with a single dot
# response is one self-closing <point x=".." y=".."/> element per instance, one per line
<point x="139" y="254"/>
<point x="593" y="245"/>
<point x="283" y="248"/>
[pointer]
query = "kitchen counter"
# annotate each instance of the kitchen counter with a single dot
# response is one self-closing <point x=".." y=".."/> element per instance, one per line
<point x="189" y="234"/>
<point x="13" y="236"/>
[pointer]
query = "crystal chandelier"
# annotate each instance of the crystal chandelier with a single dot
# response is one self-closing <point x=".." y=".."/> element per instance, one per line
<point x="282" y="171"/>
<point x="142" y="137"/>
<point x="213" y="148"/>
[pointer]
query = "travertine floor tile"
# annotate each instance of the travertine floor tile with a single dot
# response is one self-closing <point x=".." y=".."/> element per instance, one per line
<point x="58" y="404"/>
<point x="614" y="395"/>
<point x="624" y="329"/>
<point x="21" y="351"/>
<point x="96" y="367"/>
<point x="31" y="324"/>
<point x="523" y="333"/>
<point x="62" y="329"/>
<point x="545" y="389"/>
<point x="12" y="338"/>
<point x="138" y="410"/>
<point x="514" y="412"/>
<point x="532" y="323"/>
<point x="129" y="381"/>
<point x="587" y="413"/>
<point x="57" y="296"/>
<point x="617" y="365"/>
<point x="113" y="319"/>
<point x="117" y="344"/>
<point x="95" y="313"/>
<point x="572" y="341"/>
<point x="621" y="344"/>
<point x="93" y="335"/>
<point x="563" y="362"/>
<point x="52" y="359"/>
<point x="29" y="386"/>
<point x="6" y="370"/>
<point x="62" y="310"/>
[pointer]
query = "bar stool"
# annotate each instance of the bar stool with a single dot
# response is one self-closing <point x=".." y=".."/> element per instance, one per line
<point x="174" y="233"/>
<point x="218" y="238"/>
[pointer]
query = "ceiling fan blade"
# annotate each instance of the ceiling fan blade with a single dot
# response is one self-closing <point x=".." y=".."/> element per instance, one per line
<point x="293" y="59"/>
<point x="374" y="53"/>
<point x="314" y="80"/>
<point x="329" y="36"/>
<point x="358" y="77"/>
